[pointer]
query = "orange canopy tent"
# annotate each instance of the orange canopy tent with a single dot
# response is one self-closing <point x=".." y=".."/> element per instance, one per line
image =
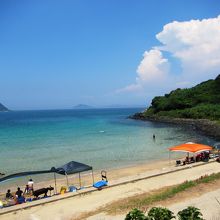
<point x="191" y="147"/>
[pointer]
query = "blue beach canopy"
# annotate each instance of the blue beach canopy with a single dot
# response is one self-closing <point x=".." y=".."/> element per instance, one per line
<point x="73" y="167"/>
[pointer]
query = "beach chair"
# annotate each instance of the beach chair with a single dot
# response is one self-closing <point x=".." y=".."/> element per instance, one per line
<point x="192" y="160"/>
<point x="102" y="183"/>
<point x="178" y="162"/>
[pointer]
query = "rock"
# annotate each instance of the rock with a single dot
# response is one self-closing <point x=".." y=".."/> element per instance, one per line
<point x="207" y="127"/>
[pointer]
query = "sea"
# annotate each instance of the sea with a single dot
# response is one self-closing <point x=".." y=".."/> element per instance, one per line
<point x="102" y="138"/>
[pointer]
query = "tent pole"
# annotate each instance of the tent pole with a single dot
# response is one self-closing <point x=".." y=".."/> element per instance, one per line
<point x="93" y="177"/>
<point x="67" y="181"/>
<point x="169" y="158"/>
<point x="79" y="181"/>
<point x="55" y="180"/>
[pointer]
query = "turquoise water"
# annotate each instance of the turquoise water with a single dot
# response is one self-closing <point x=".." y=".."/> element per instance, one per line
<point x="102" y="138"/>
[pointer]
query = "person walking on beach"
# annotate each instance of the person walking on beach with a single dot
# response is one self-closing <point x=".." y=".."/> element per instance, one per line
<point x="30" y="186"/>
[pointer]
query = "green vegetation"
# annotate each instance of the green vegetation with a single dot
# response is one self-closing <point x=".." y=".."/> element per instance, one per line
<point x="145" y="200"/>
<point x="199" y="102"/>
<point x="135" y="214"/>
<point x="160" y="213"/>
<point x="140" y="203"/>
<point x="190" y="213"/>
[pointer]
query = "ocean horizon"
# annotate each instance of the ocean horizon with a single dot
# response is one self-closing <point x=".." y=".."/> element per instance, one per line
<point x="103" y="138"/>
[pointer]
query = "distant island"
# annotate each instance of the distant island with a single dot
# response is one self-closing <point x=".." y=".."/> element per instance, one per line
<point x="82" y="106"/>
<point x="198" y="106"/>
<point x="3" y="108"/>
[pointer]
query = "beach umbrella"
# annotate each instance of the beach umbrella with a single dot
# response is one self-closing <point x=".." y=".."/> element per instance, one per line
<point x="191" y="147"/>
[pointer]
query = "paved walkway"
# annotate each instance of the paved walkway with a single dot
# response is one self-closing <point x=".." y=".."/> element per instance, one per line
<point x="72" y="204"/>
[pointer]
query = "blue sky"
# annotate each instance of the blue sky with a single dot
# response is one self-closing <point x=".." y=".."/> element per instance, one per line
<point x="57" y="54"/>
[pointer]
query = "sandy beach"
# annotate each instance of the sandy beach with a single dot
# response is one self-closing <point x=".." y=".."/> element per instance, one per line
<point x="116" y="175"/>
<point x="123" y="183"/>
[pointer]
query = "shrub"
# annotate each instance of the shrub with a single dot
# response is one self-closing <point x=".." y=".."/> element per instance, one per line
<point x="159" y="213"/>
<point x="135" y="214"/>
<point x="190" y="213"/>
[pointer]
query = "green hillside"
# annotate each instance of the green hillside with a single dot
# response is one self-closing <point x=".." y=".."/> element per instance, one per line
<point x="199" y="102"/>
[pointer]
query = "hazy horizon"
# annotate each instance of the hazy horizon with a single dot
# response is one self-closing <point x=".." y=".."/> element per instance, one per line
<point x="90" y="107"/>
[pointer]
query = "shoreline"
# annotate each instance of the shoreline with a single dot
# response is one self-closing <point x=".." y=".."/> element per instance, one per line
<point x="114" y="174"/>
<point x="128" y="182"/>
<point x="204" y="126"/>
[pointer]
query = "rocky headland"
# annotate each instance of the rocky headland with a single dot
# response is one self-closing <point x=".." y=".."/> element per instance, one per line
<point x="204" y="126"/>
<point x="197" y="107"/>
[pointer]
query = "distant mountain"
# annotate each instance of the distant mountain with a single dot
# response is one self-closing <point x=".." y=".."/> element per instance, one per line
<point x="3" y="108"/>
<point x="82" y="106"/>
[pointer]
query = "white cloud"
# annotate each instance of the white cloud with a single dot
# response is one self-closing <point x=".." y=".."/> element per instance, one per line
<point x="153" y="66"/>
<point x="130" y="88"/>
<point x="195" y="43"/>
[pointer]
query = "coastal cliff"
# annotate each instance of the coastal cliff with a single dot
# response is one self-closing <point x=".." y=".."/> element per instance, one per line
<point x="197" y="107"/>
<point x="3" y="108"/>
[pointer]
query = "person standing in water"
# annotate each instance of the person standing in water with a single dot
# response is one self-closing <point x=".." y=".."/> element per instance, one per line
<point x="154" y="137"/>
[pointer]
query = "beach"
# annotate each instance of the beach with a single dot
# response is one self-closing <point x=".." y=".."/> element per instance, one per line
<point x="116" y="175"/>
<point x="103" y="138"/>
<point x="107" y="106"/>
<point x="123" y="183"/>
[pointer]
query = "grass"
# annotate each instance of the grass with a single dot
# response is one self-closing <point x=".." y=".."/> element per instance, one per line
<point x="163" y="195"/>
<point x="146" y="200"/>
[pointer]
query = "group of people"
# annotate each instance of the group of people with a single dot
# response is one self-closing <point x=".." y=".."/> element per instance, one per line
<point x="19" y="195"/>
<point x="203" y="156"/>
